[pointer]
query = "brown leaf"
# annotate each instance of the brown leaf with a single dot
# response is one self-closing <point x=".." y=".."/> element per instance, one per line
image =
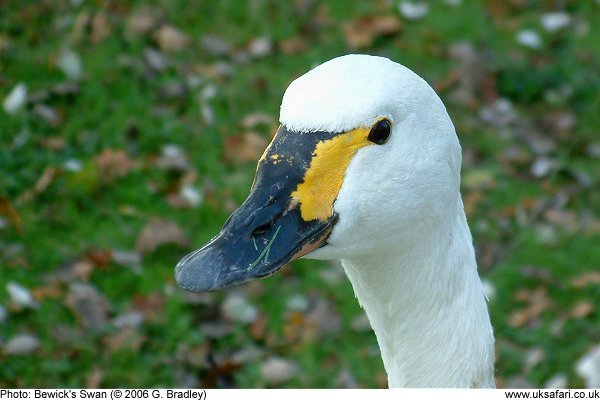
<point x="586" y="279"/>
<point x="361" y="32"/>
<point x="219" y="372"/>
<point x="9" y="212"/>
<point x="100" y="27"/>
<point x="258" y="328"/>
<point x="158" y="232"/>
<point x="582" y="309"/>
<point x="100" y="257"/>
<point x="113" y="164"/>
<point x="94" y="379"/>
<point x="250" y="121"/>
<point x="295" y="327"/>
<point x="125" y="338"/>
<point x="89" y="305"/>
<point x="142" y="21"/>
<point x="538" y="302"/>
<point x="294" y="45"/>
<point x="52" y="291"/>
<point x="171" y="39"/>
<point x="55" y="143"/>
<point x="42" y="184"/>
<point x="83" y="269"/>
<point x="150" y="305"/>
<point x="564" y="218"/>
<point x="246" y="147"/>
<point x="72" y="271"/>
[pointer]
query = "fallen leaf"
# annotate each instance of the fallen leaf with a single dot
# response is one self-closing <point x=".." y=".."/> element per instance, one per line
<point x="170" y="39"/>
<point x="21" y="344"/>
<point x="413" y="10"/>
<point x="362" y="32"/>
<point x="9" y="212"/>
<point x="130" y="318"/>
<point x="294" y="45"/>
<point x="72" y="271"/>
<point x="295" y="328"/>
<point x="216" y="329"/>
<point x="558" y="381"/>
<point x="80" y="27"/>
<point x="538" y="302"/>
<point x="588" y="367"/>
<point x="219" y="374"/>
<point x="150" y="305"/>
<point x="187" y="197"/>
<point x="99" y="257"/>
<point x="251" y="121"/>
<point x="52" y="291"/>
<point x="237" y="308"/>
<point x="142" y="21"/>
<point x="42" y="184"/>
<point x="94" y="379"/>
<point x="55" y="143"/>
<point x="216" y="45"/>
<point x="260" y="47"/>
<point x="277" y="371"/>
<point x="297" y="302"/>
<point x="173" y="157"/>
<point x="585" y="279"/>
<point x="195" y="356"/>
<point x="533" y="358"/>
<point x="324" y="318"/>
<point x="258" y="327"/>
<point x="246" y="147"/>
<point x="554" y="21"/>
<point x="478" y="179"/>
<point x="113" y="164"/>
<point x="67" y="336"/>
<point x="564" y="218"/>
<point x="582" y="309"/>
<point x="345" y="379"/>
<point x="70" y="63"/>
<point x="20" y="296"/>
<point x="499" y="113"/>
<point x="16" y="99"/>
<point x="529" y="38"/>
<point x="126" y="338"/>
<point x="156" y="59"/>
<point x="88" y="305"/>
<point x="158" y="232"/>
<point x="127" y="258"/>
<point x="100" y="27"/>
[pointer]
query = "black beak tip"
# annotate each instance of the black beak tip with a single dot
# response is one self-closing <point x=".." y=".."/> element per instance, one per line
<point x="194" y="277"/>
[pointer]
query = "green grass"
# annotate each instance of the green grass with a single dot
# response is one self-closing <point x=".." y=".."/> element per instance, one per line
<point x="120" y="104"/>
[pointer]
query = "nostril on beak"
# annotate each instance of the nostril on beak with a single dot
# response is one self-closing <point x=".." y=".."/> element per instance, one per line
<point x="261" y="230"/>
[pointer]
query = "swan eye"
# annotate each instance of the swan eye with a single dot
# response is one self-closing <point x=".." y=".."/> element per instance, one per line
<point x="380" y="132"/>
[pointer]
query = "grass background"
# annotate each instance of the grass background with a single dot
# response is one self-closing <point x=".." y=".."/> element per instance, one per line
<point x="85" y="166"/>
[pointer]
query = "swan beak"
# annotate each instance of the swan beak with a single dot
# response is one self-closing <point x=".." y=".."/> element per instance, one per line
<point x="276" y="223"/>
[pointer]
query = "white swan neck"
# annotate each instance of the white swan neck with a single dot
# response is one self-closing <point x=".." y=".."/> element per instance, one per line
<point x="426" y="305"/>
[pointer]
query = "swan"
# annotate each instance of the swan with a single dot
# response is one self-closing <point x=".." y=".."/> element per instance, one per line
<point x="365" y="168"/>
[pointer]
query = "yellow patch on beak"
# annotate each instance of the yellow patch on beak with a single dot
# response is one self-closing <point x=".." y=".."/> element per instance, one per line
<point x="323" y="179"/>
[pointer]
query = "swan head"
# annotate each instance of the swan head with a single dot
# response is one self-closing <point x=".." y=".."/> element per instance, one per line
<point x="366" y="157"/>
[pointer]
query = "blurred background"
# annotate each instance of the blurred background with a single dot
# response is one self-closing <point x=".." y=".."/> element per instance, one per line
<point x="129" y="130"/>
